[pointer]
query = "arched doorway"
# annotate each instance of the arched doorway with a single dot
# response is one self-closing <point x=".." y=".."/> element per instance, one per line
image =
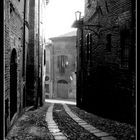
<point x="13" y="83"/>
<point x="62" y="89"/>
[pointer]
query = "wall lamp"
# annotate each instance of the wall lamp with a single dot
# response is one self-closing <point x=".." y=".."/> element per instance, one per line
<point x="80" y="24"/>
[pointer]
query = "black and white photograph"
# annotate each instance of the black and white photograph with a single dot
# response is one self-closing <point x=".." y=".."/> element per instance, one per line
<point x="69" y="70"/>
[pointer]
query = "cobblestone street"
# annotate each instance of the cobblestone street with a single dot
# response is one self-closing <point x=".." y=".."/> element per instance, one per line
<point x="57" y="121"/>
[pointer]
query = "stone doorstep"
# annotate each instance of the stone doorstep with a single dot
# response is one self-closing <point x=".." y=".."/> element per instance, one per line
<point x="108" y="138"/>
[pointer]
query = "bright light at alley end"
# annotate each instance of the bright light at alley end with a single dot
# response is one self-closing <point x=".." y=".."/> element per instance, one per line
<point x="78" y="15"/>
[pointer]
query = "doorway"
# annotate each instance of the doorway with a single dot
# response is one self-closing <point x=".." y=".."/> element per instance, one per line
<point x="13" y="83"/>
<point x="62" y="89"/>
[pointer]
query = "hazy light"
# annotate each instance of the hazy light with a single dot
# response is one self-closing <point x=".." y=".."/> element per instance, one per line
<point x="60" y="101"/>
<point x="67" y="62"/>
<point x="60" y="15"/>
<point x="71" y="78"/>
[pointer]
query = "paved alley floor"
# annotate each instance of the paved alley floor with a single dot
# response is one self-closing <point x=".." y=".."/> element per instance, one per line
<point x="64" y="121"/>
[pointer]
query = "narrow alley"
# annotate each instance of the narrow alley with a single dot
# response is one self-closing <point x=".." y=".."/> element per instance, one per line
<point x="69" y="70"/>
<point x="64" y="121"/>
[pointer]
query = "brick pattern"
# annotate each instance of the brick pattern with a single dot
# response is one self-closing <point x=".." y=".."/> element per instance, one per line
<point x="13" y="39"/>
<point x="106" y="74"/>
<point x="87" y="126"/>
<point x="52" y="126"/>
<point x="14" y="15"/>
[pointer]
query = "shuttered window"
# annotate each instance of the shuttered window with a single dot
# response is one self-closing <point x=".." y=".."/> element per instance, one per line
<point x="62" y="63"/>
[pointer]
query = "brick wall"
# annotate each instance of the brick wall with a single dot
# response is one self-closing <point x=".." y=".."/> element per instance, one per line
<point x="108" y="82"/>
<point x="13" y="40"/>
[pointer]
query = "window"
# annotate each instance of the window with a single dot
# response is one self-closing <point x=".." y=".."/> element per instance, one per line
<point x="62" y="63"/>
<point x="108" y="45"/>
<point x="124" y="44"/>
<point x="89" y="46"/>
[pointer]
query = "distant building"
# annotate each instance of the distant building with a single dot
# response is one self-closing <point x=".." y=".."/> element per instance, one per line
<point x="64" y="66"/>
<point x="106" y="59"/>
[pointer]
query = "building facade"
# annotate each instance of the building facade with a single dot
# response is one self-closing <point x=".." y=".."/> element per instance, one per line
<point x="45" y="55"/>
<point x="64" y="66"/>
<point x="106" y="59"/>
<point x="22" y="58"/>
<point x="13" y="45"/>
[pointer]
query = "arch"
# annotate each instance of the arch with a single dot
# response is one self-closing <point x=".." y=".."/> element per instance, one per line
<point x="13" y="83"/>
